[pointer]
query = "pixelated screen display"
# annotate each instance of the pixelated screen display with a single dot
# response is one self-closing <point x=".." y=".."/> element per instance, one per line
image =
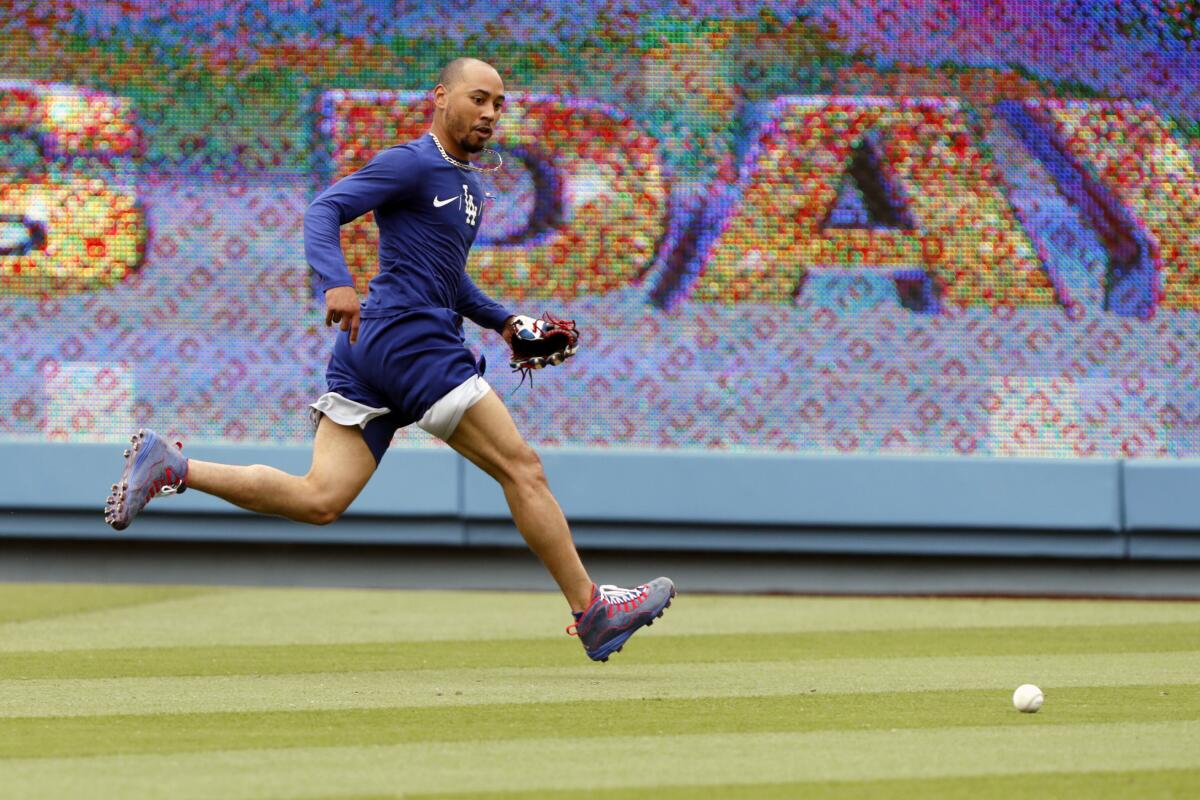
<point x="858" y="226"/>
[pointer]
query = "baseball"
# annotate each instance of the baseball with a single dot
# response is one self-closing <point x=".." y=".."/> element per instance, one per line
<point x="1028" y="698"/>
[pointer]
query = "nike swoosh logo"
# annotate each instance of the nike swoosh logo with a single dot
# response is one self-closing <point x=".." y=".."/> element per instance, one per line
<point x="439" y="203"/>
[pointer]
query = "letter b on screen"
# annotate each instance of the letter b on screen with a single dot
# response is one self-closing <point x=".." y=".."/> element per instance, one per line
<point x="69" y="216"/>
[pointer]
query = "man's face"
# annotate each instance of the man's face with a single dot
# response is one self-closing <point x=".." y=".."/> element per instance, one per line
<point x="472" y="106"/>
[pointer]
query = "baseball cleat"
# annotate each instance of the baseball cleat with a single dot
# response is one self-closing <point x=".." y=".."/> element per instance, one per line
<point x="152" y="468"/>
<point x="615" y="614"/>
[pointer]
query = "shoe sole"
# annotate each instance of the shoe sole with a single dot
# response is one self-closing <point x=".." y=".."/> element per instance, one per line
<point x="115" y="504"/>
<point x="618" y="642"/>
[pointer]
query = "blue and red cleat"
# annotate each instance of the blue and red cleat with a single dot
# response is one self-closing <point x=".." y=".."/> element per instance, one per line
<point x="615" y="614"/>
<point x="152" y="467"/>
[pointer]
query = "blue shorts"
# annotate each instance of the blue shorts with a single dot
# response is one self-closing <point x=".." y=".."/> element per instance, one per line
<point x="400" y="367"/>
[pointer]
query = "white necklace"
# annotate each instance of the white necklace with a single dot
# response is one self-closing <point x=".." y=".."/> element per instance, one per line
<point x="464" y="164"/>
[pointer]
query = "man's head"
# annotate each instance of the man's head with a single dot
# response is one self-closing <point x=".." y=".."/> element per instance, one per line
<point x="469" y="98"/>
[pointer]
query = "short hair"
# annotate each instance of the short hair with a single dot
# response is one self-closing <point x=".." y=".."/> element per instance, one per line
<point x="452" y="72"/>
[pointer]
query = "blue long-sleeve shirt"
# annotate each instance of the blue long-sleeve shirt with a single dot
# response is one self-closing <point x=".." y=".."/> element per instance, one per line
<point x="428" y="212"/>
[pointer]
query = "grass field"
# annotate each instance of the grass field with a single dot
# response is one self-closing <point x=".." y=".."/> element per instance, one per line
<point x="183" y="692"/>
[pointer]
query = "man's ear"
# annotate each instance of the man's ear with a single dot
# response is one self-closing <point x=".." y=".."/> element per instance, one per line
<point x="439" y="96"/>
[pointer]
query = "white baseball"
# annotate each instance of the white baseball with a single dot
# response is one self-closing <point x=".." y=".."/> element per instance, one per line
<point x="1028" y="698"/>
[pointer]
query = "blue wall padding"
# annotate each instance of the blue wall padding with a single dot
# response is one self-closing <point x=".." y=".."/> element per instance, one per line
<point x="732" y="492"/>
<point x="1162" y="495"/>
<point x="72" y="477"/>
<point x="714" y="488"/>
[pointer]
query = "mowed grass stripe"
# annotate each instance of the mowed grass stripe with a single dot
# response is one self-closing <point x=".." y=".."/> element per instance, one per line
<point x="24" y="602"/>
<point x="170" y="733"/>
<point x="325" y="616"/>
<point x="649" y="647"/>
<point x="1166" y="784"/>
<point x="613" y="681"/>
<point x="589" y="764"/>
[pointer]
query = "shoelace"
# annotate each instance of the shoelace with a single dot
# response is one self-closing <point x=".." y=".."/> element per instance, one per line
<point x="614" y="597"/>
<point x="622" y="599"/>
<point x="171" y="484"/>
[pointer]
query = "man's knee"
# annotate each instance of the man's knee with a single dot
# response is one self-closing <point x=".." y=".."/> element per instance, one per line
<point x="323" y="505"/>
<point x="523" y="468"/>
<point x="323" y="514"/>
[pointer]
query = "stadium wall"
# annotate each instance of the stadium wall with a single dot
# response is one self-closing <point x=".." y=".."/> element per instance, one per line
<point x="957" y="247"/>
<point x="1094" y="508"/>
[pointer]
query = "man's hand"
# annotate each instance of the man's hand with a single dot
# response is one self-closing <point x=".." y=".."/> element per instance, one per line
<point x="341" y="305"/>
<point x="542" y="342"/>
<point x="507" y="331"/>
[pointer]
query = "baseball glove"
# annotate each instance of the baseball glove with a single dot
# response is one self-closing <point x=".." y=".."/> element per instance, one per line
<point x="537" y="343"/>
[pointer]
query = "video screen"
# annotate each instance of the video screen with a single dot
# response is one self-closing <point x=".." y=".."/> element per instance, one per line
<point x="829" y="227"/>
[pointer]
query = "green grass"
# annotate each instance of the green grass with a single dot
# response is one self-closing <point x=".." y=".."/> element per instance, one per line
<point x="51" y="737"/>
<point x="148" y="662"/>
<point x="1074" y="785"/>
<point x="20" y="603"/>
<point x="117" y="691"/>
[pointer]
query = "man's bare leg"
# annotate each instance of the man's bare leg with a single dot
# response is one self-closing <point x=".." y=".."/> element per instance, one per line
<point x="341" y="466"/>
<point x="488" y="437"/>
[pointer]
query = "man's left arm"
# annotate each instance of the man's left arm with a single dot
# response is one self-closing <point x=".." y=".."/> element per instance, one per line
<point x="481" y="309"/>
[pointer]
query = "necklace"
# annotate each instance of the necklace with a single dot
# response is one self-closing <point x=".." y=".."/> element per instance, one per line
<point x="464" y="164"/>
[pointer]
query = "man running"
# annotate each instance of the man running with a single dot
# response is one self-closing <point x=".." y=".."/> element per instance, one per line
<point x="401" y="358"/>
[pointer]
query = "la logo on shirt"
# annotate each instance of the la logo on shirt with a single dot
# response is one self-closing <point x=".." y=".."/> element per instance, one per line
<point x="470" y="207"/>
<point x="466" y="201"/>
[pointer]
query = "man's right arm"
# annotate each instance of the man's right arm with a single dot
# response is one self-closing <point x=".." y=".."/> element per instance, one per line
<point x="389" y="175"/>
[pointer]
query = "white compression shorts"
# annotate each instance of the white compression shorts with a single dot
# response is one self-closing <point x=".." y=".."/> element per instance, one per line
<point x="441" y="419"/>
